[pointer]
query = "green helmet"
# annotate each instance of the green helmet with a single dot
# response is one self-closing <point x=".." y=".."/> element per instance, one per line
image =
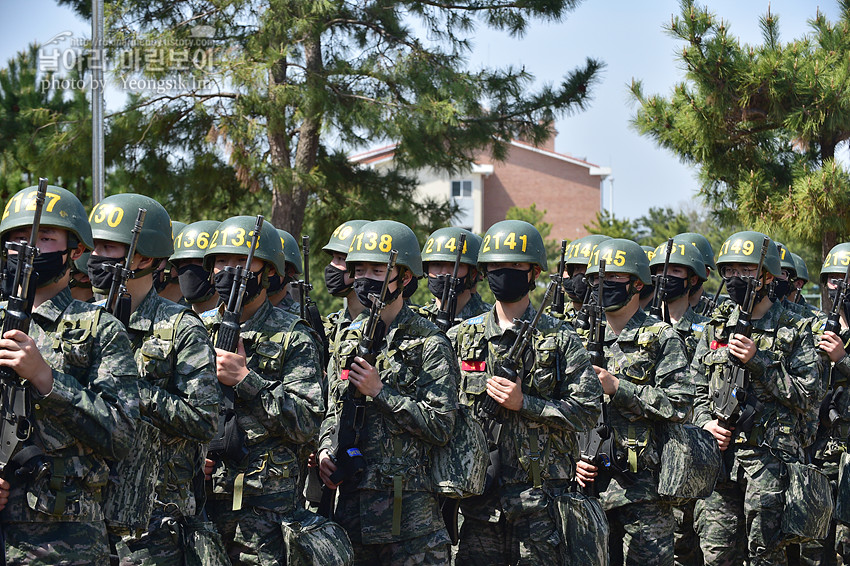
<point x="62" y="209"/>
<point x="621" y="256"/>
<point x="680" y="254"/>
<point x="702" y="244"/>
<point x="800" y="267"/>
<point x="291" y="251"/>
<point x="234" y="235"/>
<point x="374" y="241"/>
<point x="786" y="260"/>
<point x="340" y="238"/>
<point x="836" y="261"/>
<point x="745" y="247"/>
<point x="649" y="251"/>
<point x="176" y="227"/>
<point x="513" y="240"/>
<point x="113" y="218"/>
<point x="442" y="246"/>
<point x="578" y="252"/>
<point x="194" y="239"/>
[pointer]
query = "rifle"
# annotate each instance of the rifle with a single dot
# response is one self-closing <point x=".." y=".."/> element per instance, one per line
<point x="489" y="410"/>
<point x="660" y="297"/>
<point x="230" y="442"/>
<point x="558" y="300"/>
<point x="711" y="304"/>
<point x="118" y="302"/>
<point x="309" y="309"/>
<point x="829" y="406"/>
<point x="732" y="405"/>
<point x="15" y="402"/>
<point x="448" y="302"/>
<point x="345" y="439"/>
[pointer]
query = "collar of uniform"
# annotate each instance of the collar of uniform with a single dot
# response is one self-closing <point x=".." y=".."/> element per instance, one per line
<point x="688" y="319"/>
<point x="403" y="316"/>
<point x="629" y="331"/>
<point x="255" y="323"/>
<point x="141" y="319"/>
<point x="52" y="308"/>
<point x="473" y="307"/>
<point x="491" y="324"/>
<point x="768" y="322"/>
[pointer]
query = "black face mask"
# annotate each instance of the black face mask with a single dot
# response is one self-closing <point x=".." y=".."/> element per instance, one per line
<point x="437" y="285"/>
<point x="646" y="292"/>
<point x="335" y="281"/>
<point x="223" y="281"/>
<point x="737" y="289"/>
<point x="48" y="267"/>
<point x="162" y="278"/>
<point x="365" y="287"/>
<point x="195" y="283"/>
<point x="615" y="295"/>
<point x="676" y="287"/>
<point x="276" y="283"/>
<point x="576" y="287"/>
<point x="410" y="288"/>
<point x="101" y="279"/>
<point x="780" y="290"/>
<point x="509" y="285"/>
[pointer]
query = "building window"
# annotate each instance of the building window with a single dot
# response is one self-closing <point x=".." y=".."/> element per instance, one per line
<point x="461" y="189"/>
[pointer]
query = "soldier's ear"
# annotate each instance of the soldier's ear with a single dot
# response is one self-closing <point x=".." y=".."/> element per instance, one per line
<point x="638" y="284"/>
<point x="77" y="252"/>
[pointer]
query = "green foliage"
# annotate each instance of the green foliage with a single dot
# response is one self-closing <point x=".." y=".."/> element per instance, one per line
<point x="648" y="230"/>
<point x="608" y="224"/>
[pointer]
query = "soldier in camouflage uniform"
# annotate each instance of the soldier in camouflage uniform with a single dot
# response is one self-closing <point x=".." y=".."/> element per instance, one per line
<point x="685" y="272"/>
<point x="645" y="384"/>
<point x="178" y="388"/>
<point x="188" y="258"/>
<point x="80" y="284"/>
<point x="77" y="361"/>
<point x="796" y="294"/>
<point x="276" y="385"/>
<point x="834" y="416"/>
<point x="555" y="396"/>
<point x="438" y="260"/>
<point x="280" y="284"/>
<point x="392" y="515"/>
<point x="648" y="291"/>
<point x="742" y="518"/>
<point x="338" y="281"/>
<point x="575" y="265"/>
<point x="697" y="295"/>
<point x="165" y="279"/>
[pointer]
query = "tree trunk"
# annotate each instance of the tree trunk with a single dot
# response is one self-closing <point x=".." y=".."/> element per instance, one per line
<point x="278" y="147"/>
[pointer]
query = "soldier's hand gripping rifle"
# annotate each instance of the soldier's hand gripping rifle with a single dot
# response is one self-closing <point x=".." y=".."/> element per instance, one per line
<point x="230" y="442"/>
<point x="558" y="299"/>
<point x="732" y="405"/>
<point x="508" y="368"/>
<point x="658" y="308"/>
<point x="448" y="302"/>
<point x="309" y="309"/>
<point x="831" y="405"/>
<point x="119" y="302"/>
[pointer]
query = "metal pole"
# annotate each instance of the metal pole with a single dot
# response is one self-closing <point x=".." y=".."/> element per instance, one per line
<point x="97" y="102"/>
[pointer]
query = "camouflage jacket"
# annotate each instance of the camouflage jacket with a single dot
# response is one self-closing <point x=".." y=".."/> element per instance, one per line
<point x="179" y="393"/>
<point x="414" y="412"/>
<point x="473" y="307"/>
<point x="832" y="441"/>
<point x="88" y="417"/>
<point x="279" y="404"/>
<point x="690" y="328"/>
<point x="290" y="305"/>
<point x="650" y="360"/>
<point x="560" y="393"/>
<point x="785" y="375"/>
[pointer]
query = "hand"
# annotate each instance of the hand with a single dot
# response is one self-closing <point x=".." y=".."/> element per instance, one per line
<point x="311" y="460"/>
<point x="230" y="367"/>
<point x="4" y="493"/>
<point x="722" y="435"/>
<point x="507" y="393"/>
<point x="209" y="466"/>
<point x="20" y="353"/>
<point x="831" y="343"/>
<point x="742" y="347"/>
<point x="326" y="468"/>
<point x="365" y="377"/>
<point x="585" y="473"/>
<point x="609" y="382"/>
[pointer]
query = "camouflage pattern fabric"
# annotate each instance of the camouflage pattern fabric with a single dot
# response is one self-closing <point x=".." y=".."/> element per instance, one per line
<point x="560" y="397"/>
<point x="279" y="404"/>
<point x="180" y="396"/>
<point x="642" y="534"/>
<point x="88" y="418"/>
<point x="414" y="411"/>
<point x="474" y="307"/>
<point x="786" y="377"/>
<point x="252" y="535"/>
<point x="690" y="328"/>
<point x="290" y="305"/>
<point x="333" y="322"/>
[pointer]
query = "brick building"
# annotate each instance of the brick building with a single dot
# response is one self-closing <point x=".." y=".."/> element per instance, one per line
<point x="567" y="188"/>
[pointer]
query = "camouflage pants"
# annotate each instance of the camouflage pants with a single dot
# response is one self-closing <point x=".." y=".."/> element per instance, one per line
<point x="482" y="543"/>
<point x="686" y="546"/>
<point x="428" y="550"/>
<point x="252" y="535"/>
<point x="641" y="534"/>
<point x="48" y="544"/>
<point x="744" y="518"/>
<point x="158" y="547"/>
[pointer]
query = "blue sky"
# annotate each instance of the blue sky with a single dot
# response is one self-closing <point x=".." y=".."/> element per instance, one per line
<point x="626" y="35"/>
